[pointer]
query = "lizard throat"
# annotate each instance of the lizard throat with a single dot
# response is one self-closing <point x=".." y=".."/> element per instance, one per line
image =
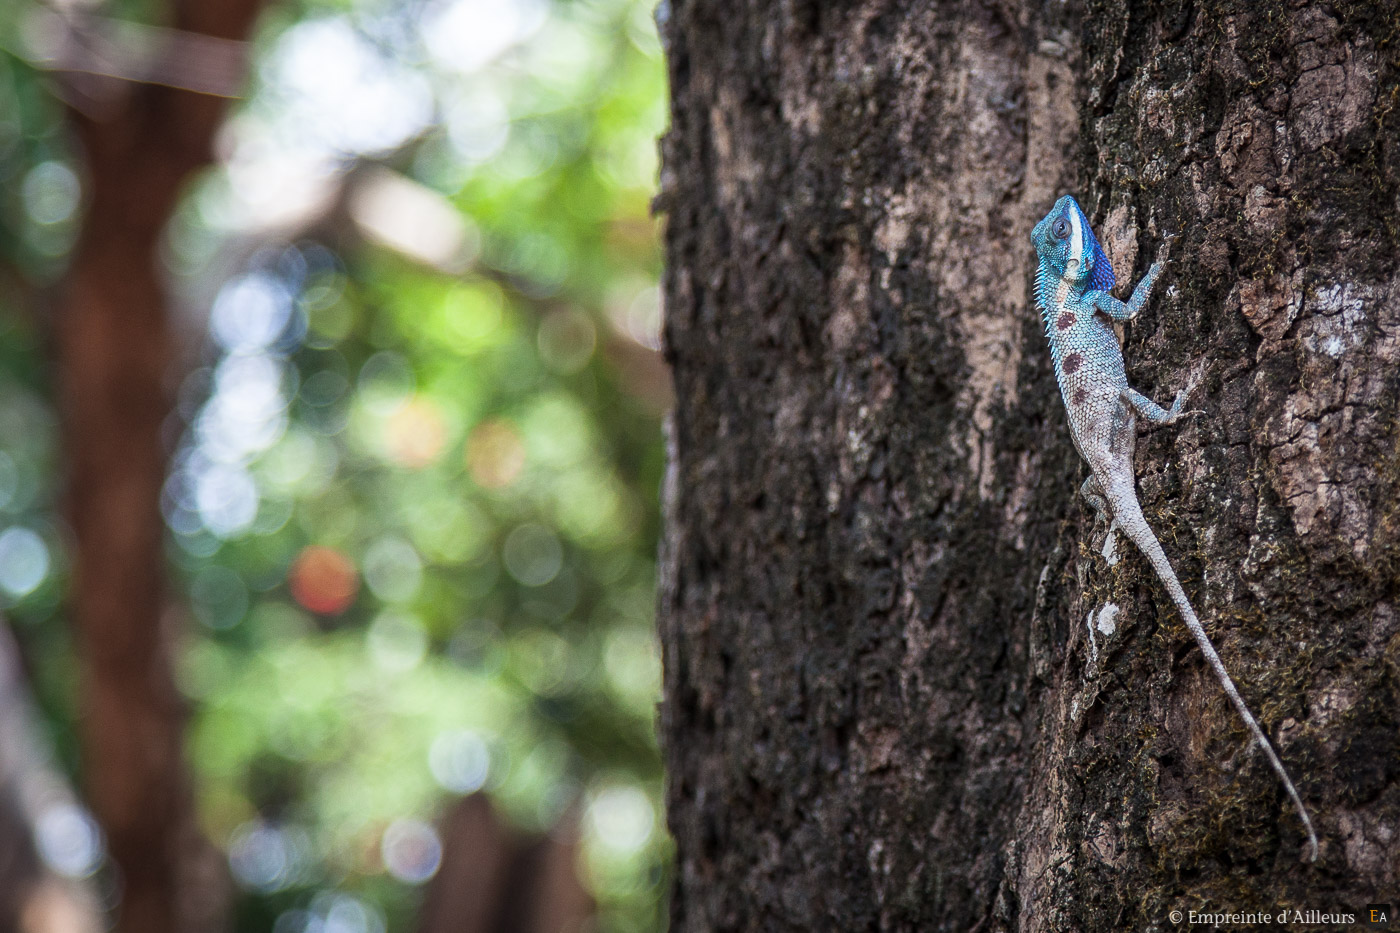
<point x="1052" y="292"/>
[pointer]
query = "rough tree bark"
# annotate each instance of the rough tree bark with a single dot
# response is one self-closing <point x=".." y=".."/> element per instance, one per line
<point x="884" y="707"/>
<point x="114" y="358"/>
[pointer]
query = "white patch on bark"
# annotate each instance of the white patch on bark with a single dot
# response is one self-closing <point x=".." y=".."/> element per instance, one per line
<point x="1338" y="321"/>
<point x="1110" y="546"/>
<point x="1104" y="620"/>
<point x="1106" y="623"/>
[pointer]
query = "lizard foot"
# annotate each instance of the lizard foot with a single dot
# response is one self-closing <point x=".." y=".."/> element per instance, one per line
<point x="1175" y="413"/>
<point x="1166" y="246"/>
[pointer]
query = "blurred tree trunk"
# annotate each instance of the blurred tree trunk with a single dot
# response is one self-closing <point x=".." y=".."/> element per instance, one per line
<point x="35" y="798"/>
<point x="115" y="361"/>
<point x="496" y="880"/>
<point x="884" y="707"/>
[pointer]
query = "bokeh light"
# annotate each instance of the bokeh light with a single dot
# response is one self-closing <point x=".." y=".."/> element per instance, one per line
<point x="68" y="840"/>
<point x="416" y="434"/>
<point x="495" y="454"/>
<point x="621" y="818"/>
<point x="268" y="857"/>
<point x="396" y="642"/>
<point x="51" y="192"/>
<point x="323" y="580"/>
<point x="532" y="554"/>
<point x="460" y="761"/>
<point x="24" y="561"/>
<point x="411" y="851"/>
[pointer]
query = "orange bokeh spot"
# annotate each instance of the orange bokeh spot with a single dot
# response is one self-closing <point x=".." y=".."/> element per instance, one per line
<point x="495" y="454"/>
<point x="416" y="434"/>
<point x="323" y="580"/>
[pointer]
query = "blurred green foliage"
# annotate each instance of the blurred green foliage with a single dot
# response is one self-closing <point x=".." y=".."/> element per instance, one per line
<point x="414" y="508"/>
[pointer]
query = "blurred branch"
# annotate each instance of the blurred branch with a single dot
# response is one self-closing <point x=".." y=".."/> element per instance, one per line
<point x="370" y="200"/>
<point x="75" y="41"/>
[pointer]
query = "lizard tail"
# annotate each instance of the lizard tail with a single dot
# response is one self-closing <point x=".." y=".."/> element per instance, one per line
<point x="1135" y="527"/>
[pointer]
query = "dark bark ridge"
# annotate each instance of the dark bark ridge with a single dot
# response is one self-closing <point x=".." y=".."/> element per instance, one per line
<point x="885" y="704"/>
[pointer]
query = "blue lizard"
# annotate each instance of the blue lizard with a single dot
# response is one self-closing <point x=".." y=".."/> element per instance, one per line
<point x="1072" y="286"/>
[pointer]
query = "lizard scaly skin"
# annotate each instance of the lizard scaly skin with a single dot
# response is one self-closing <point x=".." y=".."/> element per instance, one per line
<point x="1072" y="290"/>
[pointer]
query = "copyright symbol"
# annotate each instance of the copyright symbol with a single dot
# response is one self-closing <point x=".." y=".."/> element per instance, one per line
<point x="1174" y="916"/>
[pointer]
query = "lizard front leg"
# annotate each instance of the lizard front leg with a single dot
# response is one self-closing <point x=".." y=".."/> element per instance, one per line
<point x="1154" y="412"/>
<point x="1125" y="310"/>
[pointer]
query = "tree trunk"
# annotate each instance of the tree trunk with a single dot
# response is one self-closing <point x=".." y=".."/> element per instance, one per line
<point x="497" y="880"/>
<point x="35" y="896"/>
<point x="114" y="356"/>
<point x="885" y="707"/>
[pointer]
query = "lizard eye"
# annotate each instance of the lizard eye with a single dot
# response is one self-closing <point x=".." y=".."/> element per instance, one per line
<point x="1060" y="228"/>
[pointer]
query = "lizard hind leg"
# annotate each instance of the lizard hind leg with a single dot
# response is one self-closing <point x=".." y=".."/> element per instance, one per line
<point x="1093" y="493"/>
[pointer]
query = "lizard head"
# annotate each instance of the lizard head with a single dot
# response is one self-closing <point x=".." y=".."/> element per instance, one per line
<point x="1069" y="249"/>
